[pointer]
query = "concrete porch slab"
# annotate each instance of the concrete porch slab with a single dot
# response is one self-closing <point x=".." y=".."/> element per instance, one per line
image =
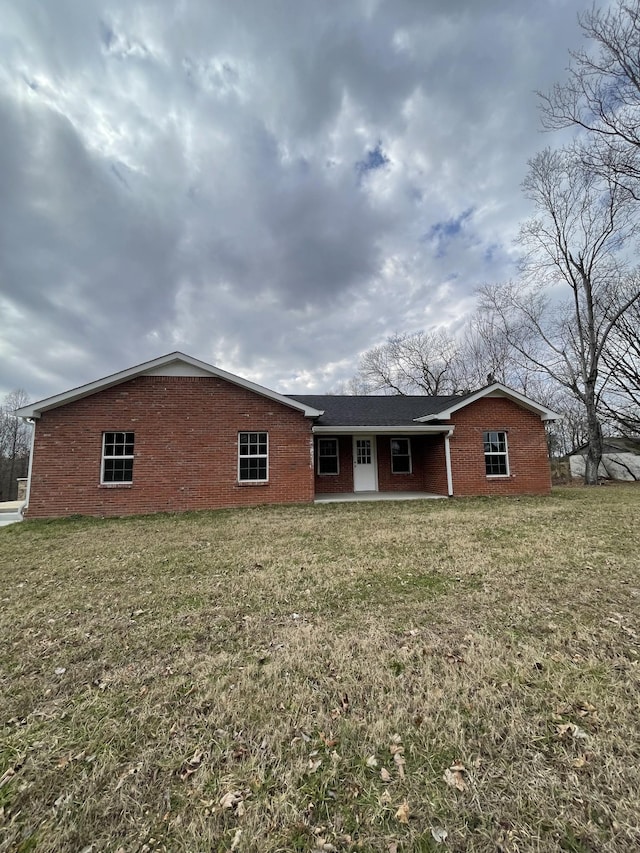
<point x="347" y="497"/>
<point x="11" y="506"/>
<point x="10" y="512"/>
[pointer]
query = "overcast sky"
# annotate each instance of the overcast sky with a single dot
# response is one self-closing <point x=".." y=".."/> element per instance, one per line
<point x="272" y="187"/>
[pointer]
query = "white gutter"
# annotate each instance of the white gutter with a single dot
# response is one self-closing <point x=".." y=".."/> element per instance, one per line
<point x="447" y="458"/>
<point x="25" y="505"/>
<point x="415" y="429"/>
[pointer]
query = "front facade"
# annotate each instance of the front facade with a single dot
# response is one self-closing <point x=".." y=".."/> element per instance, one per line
<point x="176" y="434"/>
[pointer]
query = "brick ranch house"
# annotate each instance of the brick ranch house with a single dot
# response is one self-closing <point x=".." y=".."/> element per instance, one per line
<point x="178" y="434"/>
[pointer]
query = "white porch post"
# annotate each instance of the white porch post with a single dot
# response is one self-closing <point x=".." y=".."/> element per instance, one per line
<point x="447" y="457"/>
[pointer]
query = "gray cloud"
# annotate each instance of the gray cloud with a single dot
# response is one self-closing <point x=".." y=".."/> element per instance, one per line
<point x="190" y="175"/>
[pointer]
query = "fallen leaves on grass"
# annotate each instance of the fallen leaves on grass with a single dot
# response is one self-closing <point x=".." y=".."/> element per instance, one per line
<point x="131" y="771"/>
<point x="233" y="800"/>
<point x="314" y="762"/>
<point x="402" y="815"/>
<point x="191" y="766"/>
<point x="324" y="845"/>
<point x="439" y="834"/>
<point x="453" y="776"/>
<point x="399" y="762"/>
<point x="571" y="730"/>
<point x="7" y="776"/>
<point x="385" y="775"/>
<point x="397" y="749"/>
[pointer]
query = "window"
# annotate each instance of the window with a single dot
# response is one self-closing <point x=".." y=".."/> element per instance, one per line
<point x="117" y="457"/>
<point x="363" y="451"/>
<point x="495" y="454"/>
<point x="328" y="456"/>
<point x="400" y="455"/>
<point x="253" y="457"/>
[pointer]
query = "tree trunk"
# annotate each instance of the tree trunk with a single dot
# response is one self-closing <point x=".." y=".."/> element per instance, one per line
<point x="594" y="452"/>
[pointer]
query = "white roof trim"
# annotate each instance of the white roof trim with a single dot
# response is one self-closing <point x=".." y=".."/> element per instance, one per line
<point x="495" y="390"/>
<point x="34" y="410"/>
<point x="406" y="429"/>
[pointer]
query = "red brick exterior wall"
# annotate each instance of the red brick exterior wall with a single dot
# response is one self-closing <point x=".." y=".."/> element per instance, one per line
<point x="327" y="484"/>
<point x="428" y="472"/>
<point x="186" y="449"/>
<point x="435" y="474"/>
<point x="526" y="442"/>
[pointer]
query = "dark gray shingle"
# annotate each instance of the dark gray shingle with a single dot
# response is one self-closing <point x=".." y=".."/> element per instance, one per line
<point x="374" y="410"/>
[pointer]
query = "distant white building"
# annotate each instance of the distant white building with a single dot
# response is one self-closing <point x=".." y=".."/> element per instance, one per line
<point x="620" y="460"/>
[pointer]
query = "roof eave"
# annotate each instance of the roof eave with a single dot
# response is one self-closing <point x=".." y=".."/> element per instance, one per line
<point x="495" y="390"/>
<point x="393" y="429"/>
<point x="35" y="410"/>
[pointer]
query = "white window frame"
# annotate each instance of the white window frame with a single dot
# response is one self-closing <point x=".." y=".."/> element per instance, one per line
<point x="106" y="457"/>
<point x="492" y="453"/>
<point x="254" y="455"/>
<point x="394" y="455"/>
<point x="336" y="445"/>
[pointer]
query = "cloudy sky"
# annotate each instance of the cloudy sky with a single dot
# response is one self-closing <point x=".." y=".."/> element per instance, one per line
<point x="272" y="186"/>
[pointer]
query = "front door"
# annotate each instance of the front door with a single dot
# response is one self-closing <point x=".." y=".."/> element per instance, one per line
<point x="364" y="464"/>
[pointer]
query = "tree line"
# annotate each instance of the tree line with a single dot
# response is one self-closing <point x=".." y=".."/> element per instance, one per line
<point x="15" y="440"/>
<point x="565" y="329"/>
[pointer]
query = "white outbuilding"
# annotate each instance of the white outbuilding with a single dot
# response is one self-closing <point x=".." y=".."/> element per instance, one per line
<point x="620" y="460"/>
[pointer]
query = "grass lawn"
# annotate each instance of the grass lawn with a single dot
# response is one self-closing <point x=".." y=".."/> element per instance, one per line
<point x="438" y="675"/>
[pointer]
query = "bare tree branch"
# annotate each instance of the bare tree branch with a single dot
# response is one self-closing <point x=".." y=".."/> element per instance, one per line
<point x="578" y="238"/>
<point x="601" y="95"/>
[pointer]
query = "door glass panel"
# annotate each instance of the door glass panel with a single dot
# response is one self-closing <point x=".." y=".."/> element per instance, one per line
<point x="363" y="451"/>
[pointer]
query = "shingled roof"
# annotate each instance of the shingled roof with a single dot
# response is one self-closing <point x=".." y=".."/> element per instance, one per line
<point x="375" y="410"/>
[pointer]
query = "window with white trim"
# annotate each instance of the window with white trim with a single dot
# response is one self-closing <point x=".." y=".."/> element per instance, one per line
<point x="328" y="462"/>
<point x="496" y="457"/>
<point x="117" y="457"/>
<point x="253" y="457"/>
<point x="401" y="455"/>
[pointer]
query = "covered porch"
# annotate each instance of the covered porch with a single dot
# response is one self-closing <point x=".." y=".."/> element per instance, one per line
<point x="404" y="462"/>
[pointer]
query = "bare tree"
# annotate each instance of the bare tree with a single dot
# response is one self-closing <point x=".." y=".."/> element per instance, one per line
<point x="576" y="241"/>
<point x="14" y="443"/>
<point x="415" y="363"/>
<point x="602" y="94"/>
<point x="621" y="401"/>
<point x="434" y="362"/>
<point x="488" y="355"/>
<point x="353" y="387"/>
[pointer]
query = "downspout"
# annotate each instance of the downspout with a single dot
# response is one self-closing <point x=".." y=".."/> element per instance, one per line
<point x="447" y="457"/>
<point x="25" y="505"/>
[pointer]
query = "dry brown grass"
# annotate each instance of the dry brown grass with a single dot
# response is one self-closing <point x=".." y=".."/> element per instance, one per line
<point x="286" y="657"/>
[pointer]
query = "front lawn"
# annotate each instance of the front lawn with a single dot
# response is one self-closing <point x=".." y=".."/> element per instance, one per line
<point x="438" y="675"/>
